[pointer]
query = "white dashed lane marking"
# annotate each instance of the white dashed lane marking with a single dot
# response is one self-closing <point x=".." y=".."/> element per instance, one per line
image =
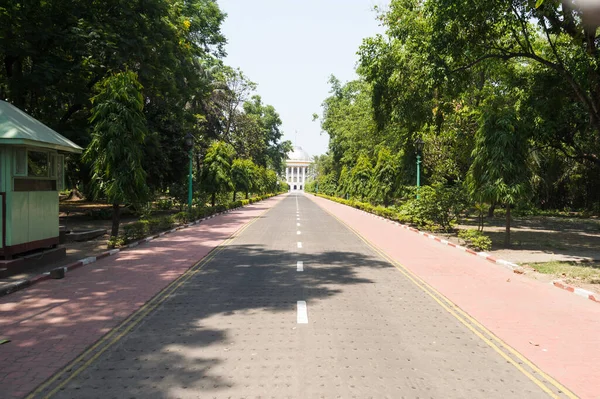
<point x="300" y="266"/>
<point x="302" y="313"/>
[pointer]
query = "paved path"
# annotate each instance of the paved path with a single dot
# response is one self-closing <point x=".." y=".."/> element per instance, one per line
<point x="298" y="306"/>
<point x="55" y="320"/>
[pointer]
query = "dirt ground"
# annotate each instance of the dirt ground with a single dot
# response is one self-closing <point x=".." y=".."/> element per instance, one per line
<point x="544" y="239"/>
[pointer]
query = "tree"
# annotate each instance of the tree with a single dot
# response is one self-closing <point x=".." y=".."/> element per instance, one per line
<point x="241" y="173"/>
<point x="216" y="176"/>
<point x="556" y="37"/>
<point x="499" y="170"/>
<point x="360" y="178"/>
<point x="239" y="88"/>
<point x="55" y="52"/>
<point x="116" y="149"/>
<point x="271" y="151"/>
<point x="385" y="176"/>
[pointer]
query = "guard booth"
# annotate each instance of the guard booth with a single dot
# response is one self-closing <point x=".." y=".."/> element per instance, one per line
<point x="31" y="175"/>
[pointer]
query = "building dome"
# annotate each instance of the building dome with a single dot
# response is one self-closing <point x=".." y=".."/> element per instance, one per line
<point x="299" y="155"/>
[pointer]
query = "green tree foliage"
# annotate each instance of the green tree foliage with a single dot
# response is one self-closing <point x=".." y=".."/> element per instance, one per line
<point x="216" y="177"/>
<point x="360" y="178"/>
<point x="55" y="52"/>
<point x="455" y="73"/>
<point x="438" y="207"/>
<point x="241" y="173"/>
<point x="117" y="142"/>
<point x="499" y="170"/>
<point x="385" y="177"/>
<point x="268" y="150"/>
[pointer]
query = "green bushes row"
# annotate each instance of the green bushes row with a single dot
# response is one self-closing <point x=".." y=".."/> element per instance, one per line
<point x="147" y="227"/>
<point x="438" y="207"/>
<point x="389" y="213"/>
<point x="431" y="211"/>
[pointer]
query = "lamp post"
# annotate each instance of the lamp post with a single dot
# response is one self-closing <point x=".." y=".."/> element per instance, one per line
<point x="189" y="144"/>
<point x="418" y="150"/>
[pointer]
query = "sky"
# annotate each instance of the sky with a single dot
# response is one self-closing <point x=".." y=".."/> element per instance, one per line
<point x="291" y="47"/>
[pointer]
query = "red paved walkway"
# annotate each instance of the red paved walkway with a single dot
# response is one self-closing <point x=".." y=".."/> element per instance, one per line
<point x="522" y="312"/>
<point x="52" y="322"/>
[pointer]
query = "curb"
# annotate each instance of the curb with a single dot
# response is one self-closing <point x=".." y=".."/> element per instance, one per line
<point x="21" y="284"/>
<point x="577" y="291"/>
<point x="509" y="265"/>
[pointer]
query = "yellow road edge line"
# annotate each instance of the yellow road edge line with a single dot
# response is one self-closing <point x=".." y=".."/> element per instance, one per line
<point x="143" y="311"/>
<point x="424" y="286"/>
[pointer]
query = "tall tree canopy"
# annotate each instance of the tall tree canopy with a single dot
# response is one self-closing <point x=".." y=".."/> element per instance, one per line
<point x="54" y="53"/>
<point x="117" y="139"/>
<point x="473" y="79"/>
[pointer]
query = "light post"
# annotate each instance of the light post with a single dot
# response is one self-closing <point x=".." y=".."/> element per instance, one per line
<point x="189" y="144"/>
<point x="418" y="150"/>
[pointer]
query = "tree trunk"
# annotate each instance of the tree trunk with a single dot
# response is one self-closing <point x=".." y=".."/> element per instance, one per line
<point x="115" y="220"/>
<point x="198" y="166"/>
<point x="507" y="235"/>
<point x="213" y="199"/>
<point x="233" y="195"/>
<point x="491" y="210"/>
<point x="247" y="195"/>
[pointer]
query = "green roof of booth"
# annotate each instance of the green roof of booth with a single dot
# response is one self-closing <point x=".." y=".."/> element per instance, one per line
<point x="19" y="128"/>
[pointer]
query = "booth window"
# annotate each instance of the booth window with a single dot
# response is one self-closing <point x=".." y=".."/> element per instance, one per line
<point x="37" y="164"/>
<point x="20" y="162"/>
<point x="53" y="165"/>
<point x="60" y="175"/>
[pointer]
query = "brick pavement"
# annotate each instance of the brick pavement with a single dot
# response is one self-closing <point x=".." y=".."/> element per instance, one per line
<point x="52" y="322"/>
<point x="556" y="330"/>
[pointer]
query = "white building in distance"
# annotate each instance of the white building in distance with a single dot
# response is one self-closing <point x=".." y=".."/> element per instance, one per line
<point x="297" y="169"/>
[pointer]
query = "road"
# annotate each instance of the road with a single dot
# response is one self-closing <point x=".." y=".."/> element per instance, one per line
<point x="296" y="306"/>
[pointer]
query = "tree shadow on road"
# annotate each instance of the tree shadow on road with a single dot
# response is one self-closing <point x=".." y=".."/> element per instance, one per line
<point x="177" y="348"/>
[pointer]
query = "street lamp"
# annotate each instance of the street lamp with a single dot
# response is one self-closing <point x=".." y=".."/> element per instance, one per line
<point x="418" y="150"/>
<point x="189" y="145"/>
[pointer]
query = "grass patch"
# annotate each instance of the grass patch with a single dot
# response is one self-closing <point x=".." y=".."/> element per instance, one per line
<point x="587" y="272"/>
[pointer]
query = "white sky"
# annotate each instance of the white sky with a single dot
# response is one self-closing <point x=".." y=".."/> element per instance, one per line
<point x="291" y="47"/>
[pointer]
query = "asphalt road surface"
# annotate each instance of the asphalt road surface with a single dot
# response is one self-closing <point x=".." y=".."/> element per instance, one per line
<point x="297" y="306"/>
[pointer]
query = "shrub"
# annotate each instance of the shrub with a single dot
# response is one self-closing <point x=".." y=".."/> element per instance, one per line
<point x="165" y="204"/>
<point x="135" y="231"/>
<point x="182" y="217"/>
<point x="115" y="242"/>
<point x="475" y="239"/>
<point x="439" y="206"/>
<point x="153" y="225"/>
<point x="165" y="223"/>
<point x="236" y="204"/>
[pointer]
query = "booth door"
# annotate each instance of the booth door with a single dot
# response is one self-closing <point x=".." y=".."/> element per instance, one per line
<point x="2" y="201"/>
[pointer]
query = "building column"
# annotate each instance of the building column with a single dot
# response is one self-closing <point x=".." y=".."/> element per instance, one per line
<point x="303" y="176"/>
<point x="286" y="174"/>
